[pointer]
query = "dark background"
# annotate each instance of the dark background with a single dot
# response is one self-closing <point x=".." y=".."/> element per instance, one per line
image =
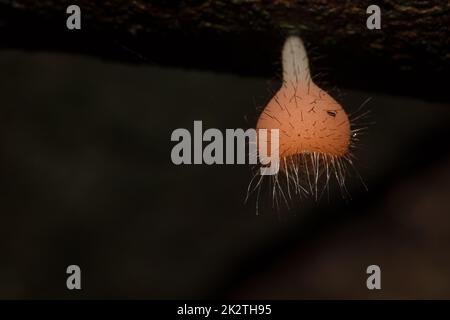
<point x="85" y="171"/>
<point x="86" y="179"/>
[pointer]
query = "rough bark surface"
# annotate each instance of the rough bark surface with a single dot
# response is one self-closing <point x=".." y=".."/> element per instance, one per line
<point x="245" y="36"/>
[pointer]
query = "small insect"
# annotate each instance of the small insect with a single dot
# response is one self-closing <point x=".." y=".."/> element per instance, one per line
<point x="316" y="135"/>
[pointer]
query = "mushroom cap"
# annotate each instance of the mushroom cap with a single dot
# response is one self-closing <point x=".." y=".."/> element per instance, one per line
<point x="309" y="120"/>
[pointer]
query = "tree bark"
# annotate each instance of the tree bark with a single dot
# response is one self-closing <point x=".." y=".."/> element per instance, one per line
<point x="409" y="55"/>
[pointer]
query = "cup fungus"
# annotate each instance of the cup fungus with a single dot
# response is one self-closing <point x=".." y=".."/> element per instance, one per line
<point x="315" y="132"/>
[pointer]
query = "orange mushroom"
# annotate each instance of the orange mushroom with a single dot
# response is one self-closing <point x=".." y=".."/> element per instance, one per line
<point x="315" y="134"/>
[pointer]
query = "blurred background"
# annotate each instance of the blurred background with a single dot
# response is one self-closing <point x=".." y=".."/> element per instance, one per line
<point x="86" y="176"/>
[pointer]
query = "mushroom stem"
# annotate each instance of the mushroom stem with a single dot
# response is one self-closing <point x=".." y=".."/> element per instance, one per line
<point x="295" y="61"/>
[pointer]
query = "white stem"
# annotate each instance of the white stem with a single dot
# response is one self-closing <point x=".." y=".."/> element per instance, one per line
<point x="295" y="61"/>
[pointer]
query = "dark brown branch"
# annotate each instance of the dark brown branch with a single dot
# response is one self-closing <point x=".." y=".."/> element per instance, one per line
<point x="245" y="37"/>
